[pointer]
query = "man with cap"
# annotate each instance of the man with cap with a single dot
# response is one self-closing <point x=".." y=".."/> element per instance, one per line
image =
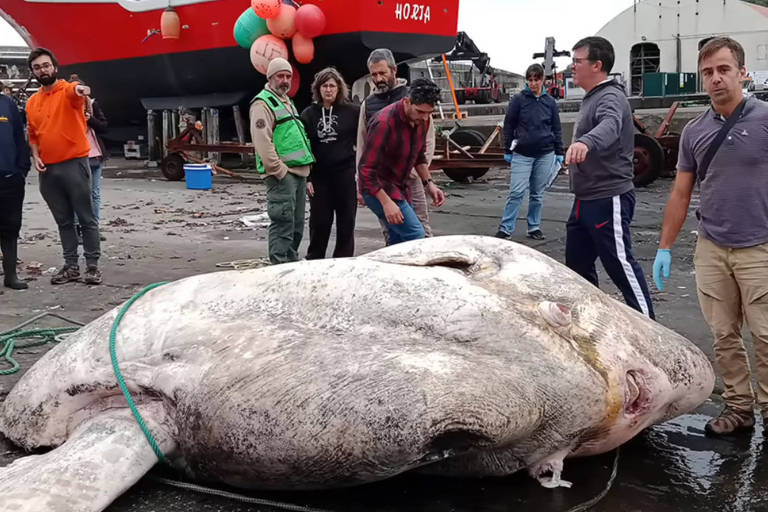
<point x="284" y="154"/>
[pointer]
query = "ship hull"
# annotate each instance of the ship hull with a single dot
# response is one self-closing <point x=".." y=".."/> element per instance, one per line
<point x="107" y="44"/>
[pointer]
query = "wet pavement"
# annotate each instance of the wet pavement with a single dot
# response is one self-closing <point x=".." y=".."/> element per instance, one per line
<point x="167" y="232"/>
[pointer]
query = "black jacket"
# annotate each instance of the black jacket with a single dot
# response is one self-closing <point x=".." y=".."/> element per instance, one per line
<point x="535" y="123"/>
<point x="14" y="151"/>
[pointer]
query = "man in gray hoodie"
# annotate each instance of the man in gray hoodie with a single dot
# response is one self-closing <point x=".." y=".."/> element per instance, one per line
<point x="600" y="166"/>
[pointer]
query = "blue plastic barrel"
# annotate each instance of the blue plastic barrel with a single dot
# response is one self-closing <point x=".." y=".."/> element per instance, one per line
<point x="198" y="176"/>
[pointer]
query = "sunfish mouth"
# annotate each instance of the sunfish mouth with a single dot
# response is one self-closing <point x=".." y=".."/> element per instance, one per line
<point x="636" y="397"/>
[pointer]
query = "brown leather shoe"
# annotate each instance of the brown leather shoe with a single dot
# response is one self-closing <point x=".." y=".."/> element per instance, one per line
<point x="730" y="422"/>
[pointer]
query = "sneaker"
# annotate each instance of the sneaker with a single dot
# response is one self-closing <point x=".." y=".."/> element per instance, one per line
<point x="65" y="275"/>
<point x="501" y="234"/>
<point x="730" y="421"/>
<point x="92" y="275"/>
<point x="536" y="235"/>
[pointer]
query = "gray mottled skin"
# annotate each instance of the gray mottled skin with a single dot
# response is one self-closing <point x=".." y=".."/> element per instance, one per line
<point x="450" y="355"/>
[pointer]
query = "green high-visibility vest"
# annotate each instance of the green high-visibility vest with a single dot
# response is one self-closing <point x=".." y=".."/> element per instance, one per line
<point x="289" y="137"/>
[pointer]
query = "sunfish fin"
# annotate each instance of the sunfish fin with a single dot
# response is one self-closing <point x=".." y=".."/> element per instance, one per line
<point x="453" y="252"/>
<point x="101" y="459"/>
<point x="548" y="471"/>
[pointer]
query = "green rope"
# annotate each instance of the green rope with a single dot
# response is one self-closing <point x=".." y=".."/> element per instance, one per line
<point x="121" y="382"/>
<point x="43" y="336"/>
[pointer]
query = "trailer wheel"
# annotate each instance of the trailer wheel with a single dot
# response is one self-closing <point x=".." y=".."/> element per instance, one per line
<point x="648" y="159"/>
<point x="460" y="97"/>
<point x="466" y="137"/>
<point x="172" y="167"/>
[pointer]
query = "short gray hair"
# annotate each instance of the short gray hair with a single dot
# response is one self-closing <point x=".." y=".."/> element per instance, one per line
<point x="380" y="54"/>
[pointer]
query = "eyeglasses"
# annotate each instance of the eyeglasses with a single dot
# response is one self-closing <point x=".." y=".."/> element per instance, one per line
<point x="579" y="60"/>
<point x="40" y="67"/>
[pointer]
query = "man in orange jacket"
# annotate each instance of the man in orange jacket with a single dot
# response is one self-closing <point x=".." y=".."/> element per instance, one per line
<point x="57" y="137"/>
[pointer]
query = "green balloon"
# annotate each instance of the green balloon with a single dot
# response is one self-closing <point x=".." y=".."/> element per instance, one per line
<point x="248" y="28"/>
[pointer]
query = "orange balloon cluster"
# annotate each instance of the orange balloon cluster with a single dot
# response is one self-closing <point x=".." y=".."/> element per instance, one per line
<point x="286" y="22"/>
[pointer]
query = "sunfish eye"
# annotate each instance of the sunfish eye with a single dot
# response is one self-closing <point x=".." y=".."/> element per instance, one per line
<point x="556" y="315"/>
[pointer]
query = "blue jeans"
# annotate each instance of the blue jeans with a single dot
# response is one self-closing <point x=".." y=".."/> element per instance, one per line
<point x="527" y="173"/>
<point x="410" y="229"/>
<point x="96" y="171"/>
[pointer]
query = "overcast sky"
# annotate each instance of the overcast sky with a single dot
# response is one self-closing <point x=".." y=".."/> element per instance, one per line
<point x="510" y="31"/>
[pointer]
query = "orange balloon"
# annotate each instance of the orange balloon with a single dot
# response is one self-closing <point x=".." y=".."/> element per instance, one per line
<point x="170" y="24"/>
<point x="303" y="48"/>
<point x="295" y="82"/>
<point x="266" y="48"/>
<point x="284" y="24"/>
<point x="266" y="9"/>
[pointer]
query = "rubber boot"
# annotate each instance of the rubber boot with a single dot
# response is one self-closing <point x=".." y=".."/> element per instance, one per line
<point x="8" y="245"/>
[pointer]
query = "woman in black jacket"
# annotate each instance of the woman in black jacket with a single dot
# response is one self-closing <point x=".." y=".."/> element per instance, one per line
<point x="331" y="124"/>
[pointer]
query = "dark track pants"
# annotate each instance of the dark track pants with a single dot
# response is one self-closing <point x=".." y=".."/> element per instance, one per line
<point x="600" y="228"/>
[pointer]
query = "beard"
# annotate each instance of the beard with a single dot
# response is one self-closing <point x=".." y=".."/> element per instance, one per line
<point x="46" y="80"/>
<point x="385" y="85"/>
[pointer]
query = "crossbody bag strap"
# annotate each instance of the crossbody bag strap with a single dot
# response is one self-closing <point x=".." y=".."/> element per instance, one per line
<point x="719" y="138"/>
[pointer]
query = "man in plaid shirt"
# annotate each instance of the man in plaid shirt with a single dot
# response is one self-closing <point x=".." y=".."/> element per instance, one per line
<point x="395" y="143"/>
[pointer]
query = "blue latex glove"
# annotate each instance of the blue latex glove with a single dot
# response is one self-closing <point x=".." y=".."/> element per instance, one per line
<point x="661" y="266"/>
<point x="508" y="157"/>
<point x="560" y="160"/>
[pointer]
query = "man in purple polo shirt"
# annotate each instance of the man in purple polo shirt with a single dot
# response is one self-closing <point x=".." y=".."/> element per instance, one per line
<point x="395" y="143"/>
<point x="732" y="250"/>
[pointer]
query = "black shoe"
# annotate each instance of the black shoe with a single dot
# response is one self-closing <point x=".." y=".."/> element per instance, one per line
<point x="501" y="234"/>
<point x="92" y="275"/>
<point x="536" y="235"/>
<point x="65" y="275"/>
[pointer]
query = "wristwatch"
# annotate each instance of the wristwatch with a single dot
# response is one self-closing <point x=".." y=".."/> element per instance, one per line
<point x="425" y="182"/>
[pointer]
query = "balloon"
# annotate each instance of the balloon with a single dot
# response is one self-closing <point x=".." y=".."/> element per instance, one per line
<point x="284" y="25"/>
<point x="248" y="28"/>
<point x="265" y="49"/>
<point x="303" y="48"/>
<point x="266" y="8"/>
<point x="170" y="24"/>
<point x="295" y="82"/>
<point x="310" y="21"/>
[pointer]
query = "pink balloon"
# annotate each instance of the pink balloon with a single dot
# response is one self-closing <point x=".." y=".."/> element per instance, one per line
<point x="266" y="9"/>
<point x="266" y="48"/>
<point x="310" y="20"/>
<point x="295" y="82"/>
<point x="303" y="48"/>
<point x="284" y="24"/>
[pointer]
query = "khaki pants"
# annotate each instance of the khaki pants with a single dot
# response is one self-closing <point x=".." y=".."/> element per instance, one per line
<point x="732" y="285"/>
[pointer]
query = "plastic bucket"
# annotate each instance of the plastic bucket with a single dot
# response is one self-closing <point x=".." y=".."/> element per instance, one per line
<point x="198" y="176"/>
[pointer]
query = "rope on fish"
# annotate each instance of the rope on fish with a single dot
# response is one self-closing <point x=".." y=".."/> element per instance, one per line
<point x="112" y="353"/>
<point x="594" y="501"/>
<point x="234" y="496"/>
<point x="9" y="338"/>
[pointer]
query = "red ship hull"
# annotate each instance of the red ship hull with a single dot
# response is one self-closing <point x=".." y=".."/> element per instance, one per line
<point x="106" y="44"/>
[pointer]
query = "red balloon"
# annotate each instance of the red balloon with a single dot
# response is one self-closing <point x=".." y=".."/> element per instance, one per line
<point x="295" y="82"/>
<point x="310" y="20"/>
<point x="303" y="48"/>
<point x="266" y="9"/>
<point x="284" y="24"/>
